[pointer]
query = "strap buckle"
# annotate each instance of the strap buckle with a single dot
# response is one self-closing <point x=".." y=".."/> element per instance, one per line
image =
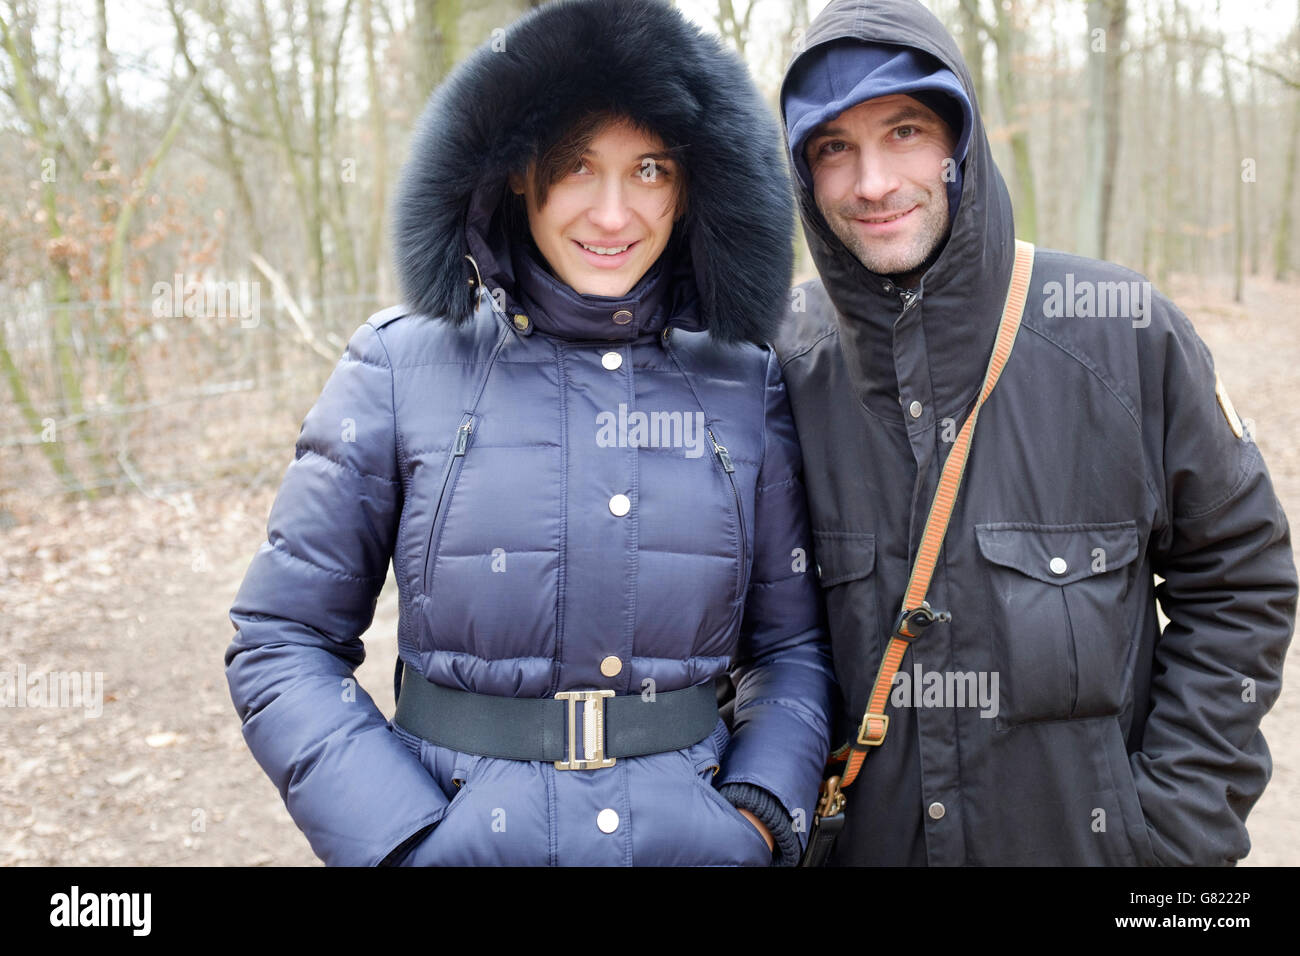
<point x="918" y="619"/>
<point x="593" y="730"/>
<point x="873" y="729"/>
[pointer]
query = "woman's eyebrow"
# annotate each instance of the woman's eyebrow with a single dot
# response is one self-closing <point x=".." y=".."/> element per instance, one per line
<point x="662" y="154"/>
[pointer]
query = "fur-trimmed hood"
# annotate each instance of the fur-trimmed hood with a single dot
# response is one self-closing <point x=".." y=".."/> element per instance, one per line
<point x="513" y="98"/>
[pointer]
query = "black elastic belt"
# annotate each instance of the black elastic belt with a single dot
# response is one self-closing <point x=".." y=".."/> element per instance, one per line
<point x="578" y="730"/>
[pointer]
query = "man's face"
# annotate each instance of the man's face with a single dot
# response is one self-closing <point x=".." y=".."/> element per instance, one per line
<point x="878" y="179"/>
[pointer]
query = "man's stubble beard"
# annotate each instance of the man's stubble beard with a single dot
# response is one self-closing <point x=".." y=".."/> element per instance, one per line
<point x="904" y="264"/>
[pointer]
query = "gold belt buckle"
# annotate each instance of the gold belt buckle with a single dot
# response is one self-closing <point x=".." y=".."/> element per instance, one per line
<point x="593" y="730"/>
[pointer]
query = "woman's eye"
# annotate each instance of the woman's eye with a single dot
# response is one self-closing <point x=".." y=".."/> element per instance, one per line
<point x="651" y="171"/>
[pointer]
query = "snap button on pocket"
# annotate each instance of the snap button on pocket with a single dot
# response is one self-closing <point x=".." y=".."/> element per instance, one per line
<point x="1061" y="623"/>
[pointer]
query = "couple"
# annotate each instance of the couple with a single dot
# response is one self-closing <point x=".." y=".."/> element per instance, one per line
<point x="597" y="220"/>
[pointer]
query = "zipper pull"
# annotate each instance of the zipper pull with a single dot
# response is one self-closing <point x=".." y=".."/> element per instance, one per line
<point x="462" y="439"/>
<point x="721" y="452"/>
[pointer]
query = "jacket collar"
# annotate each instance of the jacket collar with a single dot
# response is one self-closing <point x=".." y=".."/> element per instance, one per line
<point x="958" y="302"/>
<point x="555" y="308"/>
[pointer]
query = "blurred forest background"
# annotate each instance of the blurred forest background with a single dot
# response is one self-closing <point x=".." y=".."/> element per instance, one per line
<point x="193" y="220"/>
<point x="193" y="193"/>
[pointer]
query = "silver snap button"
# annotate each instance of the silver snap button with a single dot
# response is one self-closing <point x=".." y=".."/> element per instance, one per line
<point x="610" y="666"/>
<point x="620" y="505"/>
<point x="936" y="811"/>
<point x="887" y="286"/>
<point x="1058" y="565"/>
<point x="914" y="409"/>
<point x="611" y="360"/>
<point x="622" y="317"/>
<point x="607" y="820"/>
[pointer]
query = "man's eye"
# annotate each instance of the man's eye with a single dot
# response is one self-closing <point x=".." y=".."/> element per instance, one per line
<point x="906" y="132"/>
<point x="832" y="146"/>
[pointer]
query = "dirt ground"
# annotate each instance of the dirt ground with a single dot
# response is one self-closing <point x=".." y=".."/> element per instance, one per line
<point x="139" y="589"/>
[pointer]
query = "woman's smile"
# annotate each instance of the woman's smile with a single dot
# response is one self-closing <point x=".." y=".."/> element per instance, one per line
<point x="607" y="255"/>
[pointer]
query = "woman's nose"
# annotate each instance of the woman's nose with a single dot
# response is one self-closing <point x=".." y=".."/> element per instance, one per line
<point x="610" y="211"/>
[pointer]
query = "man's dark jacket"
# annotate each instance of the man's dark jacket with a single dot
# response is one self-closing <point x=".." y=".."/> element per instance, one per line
<point x="1102" y="459"/>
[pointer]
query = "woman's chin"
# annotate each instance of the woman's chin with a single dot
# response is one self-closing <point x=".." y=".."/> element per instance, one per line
<point x="613" y="284"/>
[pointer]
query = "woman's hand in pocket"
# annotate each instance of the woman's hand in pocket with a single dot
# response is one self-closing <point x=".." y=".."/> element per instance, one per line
<point x="763" y="831"/>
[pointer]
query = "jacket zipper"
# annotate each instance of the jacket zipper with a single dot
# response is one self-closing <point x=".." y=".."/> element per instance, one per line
<point x="459" y="445"/>
<point x="730" y="469"/>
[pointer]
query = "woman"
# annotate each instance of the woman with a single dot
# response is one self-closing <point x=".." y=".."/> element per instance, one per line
<point x="585" y="474"/>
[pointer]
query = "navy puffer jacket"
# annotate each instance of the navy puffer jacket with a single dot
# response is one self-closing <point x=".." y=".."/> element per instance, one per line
<point x="547" y="472"/>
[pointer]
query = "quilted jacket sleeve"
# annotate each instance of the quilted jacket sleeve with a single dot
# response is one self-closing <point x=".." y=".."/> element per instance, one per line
<point x="782" y="670"/>
<point x="349" y="783"/>
<point x="1223" y="548"/>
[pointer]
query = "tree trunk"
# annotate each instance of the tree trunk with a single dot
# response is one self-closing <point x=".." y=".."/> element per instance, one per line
<point x="972" y="50"/>
<point x="1026" y="200"/>
<point x="1106" y="20"/>
<point x="1239" y="177"/>
<point x="1282" y="239"/>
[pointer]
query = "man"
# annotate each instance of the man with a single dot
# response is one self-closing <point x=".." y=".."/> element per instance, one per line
<point x="1049" y="721"/>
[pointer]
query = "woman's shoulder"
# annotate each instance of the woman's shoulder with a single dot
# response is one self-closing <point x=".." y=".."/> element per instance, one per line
<point x="407" y="337"/>
<point x="748" y="362"/>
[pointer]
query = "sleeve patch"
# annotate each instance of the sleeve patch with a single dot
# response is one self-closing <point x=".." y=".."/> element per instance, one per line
<point x="1225" y="403"/>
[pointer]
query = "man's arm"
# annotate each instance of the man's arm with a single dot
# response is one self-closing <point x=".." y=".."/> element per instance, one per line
<point x="1223" y="547"/>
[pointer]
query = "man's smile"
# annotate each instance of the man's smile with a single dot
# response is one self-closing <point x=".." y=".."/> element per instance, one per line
<point x="875" y="223"/>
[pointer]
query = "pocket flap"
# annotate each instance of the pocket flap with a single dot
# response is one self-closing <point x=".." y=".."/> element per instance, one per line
<point x="843" y="555"/>
<point x="1059" y="553"/>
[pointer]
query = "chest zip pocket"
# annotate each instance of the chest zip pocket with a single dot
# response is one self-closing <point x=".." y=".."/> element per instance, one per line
<point x="727" y="466"/>
<point x="459" y="445"/>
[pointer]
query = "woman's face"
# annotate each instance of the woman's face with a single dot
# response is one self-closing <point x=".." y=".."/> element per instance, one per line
<point x="606" y="222"/>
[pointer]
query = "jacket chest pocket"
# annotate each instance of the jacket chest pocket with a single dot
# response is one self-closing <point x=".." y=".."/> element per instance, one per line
<point x="446" y="485"/>
<point x="1061" y="625"/>
<point x="846" y="564"/>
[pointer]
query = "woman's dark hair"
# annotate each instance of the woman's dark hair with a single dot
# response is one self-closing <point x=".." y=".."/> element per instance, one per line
<point x="557" y="160"/>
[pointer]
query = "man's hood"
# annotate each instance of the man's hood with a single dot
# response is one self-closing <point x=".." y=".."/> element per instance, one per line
<point x="511" y="99"/>
<point x="964" y="289"/>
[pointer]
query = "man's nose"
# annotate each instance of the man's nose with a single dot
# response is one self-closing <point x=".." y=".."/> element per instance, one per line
<point x="610" y="211"/>
<point x="876" y="177"/>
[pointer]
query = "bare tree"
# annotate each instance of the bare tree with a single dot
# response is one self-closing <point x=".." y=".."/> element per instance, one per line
<point x="1282" y="238"/>
<point x="1106" y="22"/>
<point x="1006" y="42"/>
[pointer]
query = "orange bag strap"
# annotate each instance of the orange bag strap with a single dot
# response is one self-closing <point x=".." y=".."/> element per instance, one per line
<point x="917" y="615"/>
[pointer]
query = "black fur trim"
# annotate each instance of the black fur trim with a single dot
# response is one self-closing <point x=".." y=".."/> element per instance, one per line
<point x="499" y="109"/>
